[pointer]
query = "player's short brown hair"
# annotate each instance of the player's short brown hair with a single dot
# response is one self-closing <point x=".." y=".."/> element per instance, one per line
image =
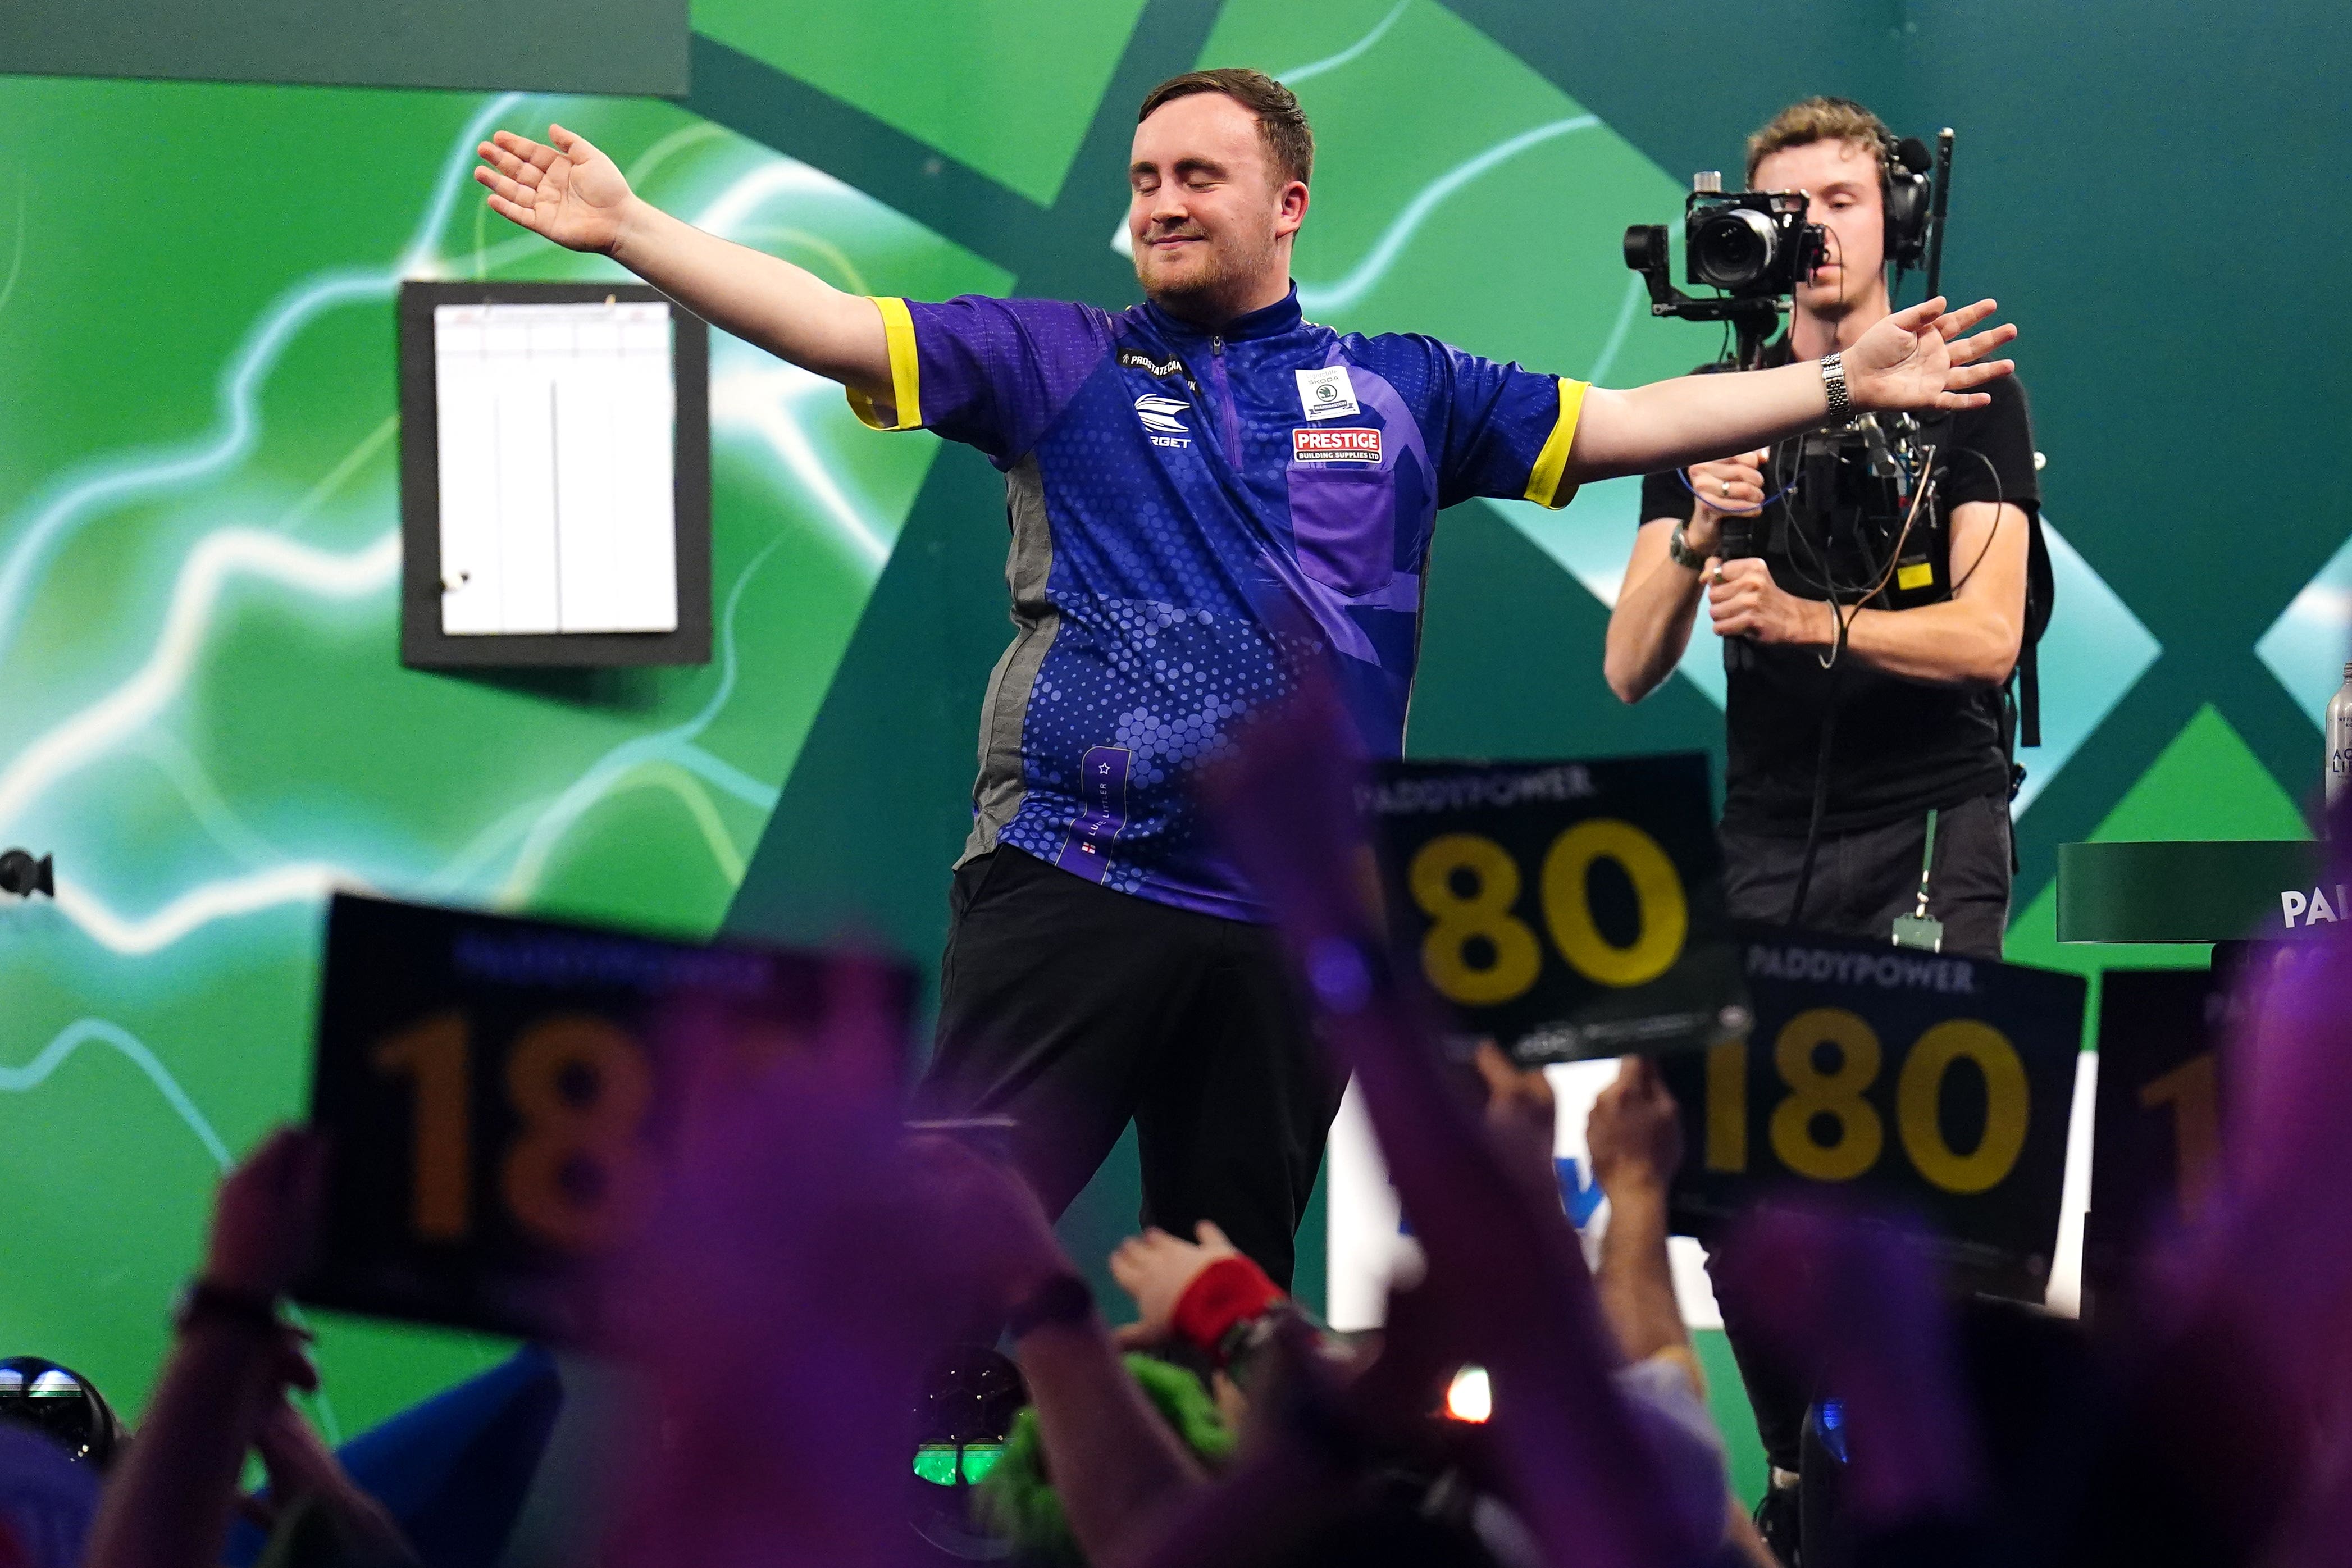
<point x="1289" y="139"/>
<point x="1821" y="119"/>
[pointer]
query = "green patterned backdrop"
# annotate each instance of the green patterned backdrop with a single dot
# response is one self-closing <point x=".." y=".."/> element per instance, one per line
<point x="201" y="715"/>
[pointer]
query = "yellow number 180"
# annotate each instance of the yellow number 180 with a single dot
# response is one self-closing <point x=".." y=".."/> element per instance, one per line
<point x="1820" y="1103"/>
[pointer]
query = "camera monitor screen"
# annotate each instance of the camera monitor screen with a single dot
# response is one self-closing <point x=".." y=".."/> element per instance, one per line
<point x="558" y="527"/>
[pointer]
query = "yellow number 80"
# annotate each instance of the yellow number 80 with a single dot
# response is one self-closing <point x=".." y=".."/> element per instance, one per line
<point x="1517" y="957"/>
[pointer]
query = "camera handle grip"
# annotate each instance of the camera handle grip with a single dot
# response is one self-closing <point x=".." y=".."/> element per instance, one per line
<point x="1736" y="537"/>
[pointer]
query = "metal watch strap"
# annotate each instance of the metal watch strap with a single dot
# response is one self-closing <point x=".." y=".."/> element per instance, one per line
<point x="1679" y="552"/>
<point x="1833" y="382"/>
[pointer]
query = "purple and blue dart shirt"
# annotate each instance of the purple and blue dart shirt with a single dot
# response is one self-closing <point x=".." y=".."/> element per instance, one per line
<point x="1196" y="515"/>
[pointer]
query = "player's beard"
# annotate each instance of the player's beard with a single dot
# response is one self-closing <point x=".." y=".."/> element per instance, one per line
<point x="1230" y="266"/>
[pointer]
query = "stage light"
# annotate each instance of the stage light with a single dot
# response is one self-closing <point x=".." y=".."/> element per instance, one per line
<point x="1470" y="1397"/>
<point x="941" y="1463"/>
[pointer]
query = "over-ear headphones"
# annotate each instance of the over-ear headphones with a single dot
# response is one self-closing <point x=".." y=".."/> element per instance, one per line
<point x="1902" y="190"/>
<point x="1904" y="187"/>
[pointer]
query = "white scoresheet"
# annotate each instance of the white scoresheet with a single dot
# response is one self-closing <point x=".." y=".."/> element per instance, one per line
<point x="557" y="437"/>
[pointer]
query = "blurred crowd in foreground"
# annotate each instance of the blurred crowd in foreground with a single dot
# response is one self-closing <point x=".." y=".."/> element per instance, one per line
<point x="815" y="1264"/>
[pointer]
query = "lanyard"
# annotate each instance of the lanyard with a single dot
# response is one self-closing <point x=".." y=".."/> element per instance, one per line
<point x="1926" y="866"/>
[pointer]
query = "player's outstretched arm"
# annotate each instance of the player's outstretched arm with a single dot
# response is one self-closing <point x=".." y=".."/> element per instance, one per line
<point x="1918" y="358"/>
<point x="567" y="191"/>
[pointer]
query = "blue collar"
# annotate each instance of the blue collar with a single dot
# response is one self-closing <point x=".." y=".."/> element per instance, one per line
<point x="1266" y="321"/>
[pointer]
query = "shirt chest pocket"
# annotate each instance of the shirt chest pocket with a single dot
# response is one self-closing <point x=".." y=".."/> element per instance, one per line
<point x="1343" y="518"/>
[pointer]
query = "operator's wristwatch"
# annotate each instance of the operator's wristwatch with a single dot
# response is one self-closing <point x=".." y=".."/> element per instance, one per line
<point x="1679" y="552"/>
<point x="1833" y="382"/>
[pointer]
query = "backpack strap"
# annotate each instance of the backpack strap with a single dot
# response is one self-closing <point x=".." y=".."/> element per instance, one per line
<point x="2028" y="697"/>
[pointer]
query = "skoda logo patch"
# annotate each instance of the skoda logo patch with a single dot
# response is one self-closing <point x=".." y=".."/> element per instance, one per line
<point x="1326" y="394"/>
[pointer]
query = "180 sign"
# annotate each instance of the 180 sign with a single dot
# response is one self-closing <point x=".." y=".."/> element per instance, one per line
<point x="1940" y="1087"/>
<point x="1816" y="1102"/>
<point x="495" y="1090"/>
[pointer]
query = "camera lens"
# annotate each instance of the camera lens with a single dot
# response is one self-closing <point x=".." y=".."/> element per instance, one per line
<point x="1731" y="248"/>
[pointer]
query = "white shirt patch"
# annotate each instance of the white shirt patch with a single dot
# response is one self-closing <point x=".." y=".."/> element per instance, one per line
<point x="1326" y="394"/>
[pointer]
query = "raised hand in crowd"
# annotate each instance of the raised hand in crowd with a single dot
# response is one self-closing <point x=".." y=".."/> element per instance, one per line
<point x="1117" y="1468"/>
<point x="794" y="1284"/>
<point x="310" y="1493"/>
<point x="1521" y="1118"/>
<point x="169" y="1502"/>
<point x="1634" y="1139"/>
<point x="1499" y="1259"/>
<point x="1155" y="1269"/>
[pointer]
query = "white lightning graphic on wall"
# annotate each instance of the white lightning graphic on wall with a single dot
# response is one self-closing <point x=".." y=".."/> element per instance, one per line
<point x="758" y="401"/>
<point x="239" y="424"/>
<point x="231" y="552"/>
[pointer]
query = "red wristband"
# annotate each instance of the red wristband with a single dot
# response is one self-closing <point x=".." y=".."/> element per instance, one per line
<point x="1229" y="1291"/>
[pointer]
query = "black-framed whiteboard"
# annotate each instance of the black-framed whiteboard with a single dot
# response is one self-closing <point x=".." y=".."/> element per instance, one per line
<point x="554" y="477"/>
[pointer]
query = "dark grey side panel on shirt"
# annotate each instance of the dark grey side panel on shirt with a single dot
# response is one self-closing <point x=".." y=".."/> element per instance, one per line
<point x="997" y="794"/>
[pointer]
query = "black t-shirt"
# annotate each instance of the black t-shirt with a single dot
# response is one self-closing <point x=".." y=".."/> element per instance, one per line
<point x="1900" y="746"/>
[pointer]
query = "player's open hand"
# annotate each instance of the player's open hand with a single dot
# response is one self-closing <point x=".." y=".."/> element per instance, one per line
<point x="569" y="192"/>
<point x="1921" y="358"/>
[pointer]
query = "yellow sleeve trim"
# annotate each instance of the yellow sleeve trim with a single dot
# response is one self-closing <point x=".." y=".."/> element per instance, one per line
<point x="905" y="372"/>
<point x="1551" y="463"/>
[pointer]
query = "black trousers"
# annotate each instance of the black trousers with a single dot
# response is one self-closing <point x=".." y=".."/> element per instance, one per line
<point x="1074" y="1009"/>
<point x="1860" y="882"/>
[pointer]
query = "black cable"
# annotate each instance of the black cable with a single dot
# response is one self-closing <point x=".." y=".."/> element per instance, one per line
<point x="1821" y="763"/>
<point x="1820" y="799"/>
<point x="1844" y="625"/>
<point x="1681" y="476"/>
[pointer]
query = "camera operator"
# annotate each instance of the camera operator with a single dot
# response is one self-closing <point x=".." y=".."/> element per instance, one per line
<point x="1914" y="774"/>
<point x="1870" y="738"/>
